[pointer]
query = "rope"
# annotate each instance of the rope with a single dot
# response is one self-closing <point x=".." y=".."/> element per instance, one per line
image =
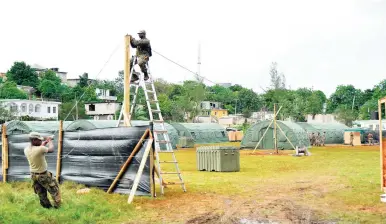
<point x="100" y="71"/>
<point x="195" y="73"/>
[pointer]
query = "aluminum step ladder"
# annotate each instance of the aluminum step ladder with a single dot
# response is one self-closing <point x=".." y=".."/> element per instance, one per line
<point x="161" y="137"/>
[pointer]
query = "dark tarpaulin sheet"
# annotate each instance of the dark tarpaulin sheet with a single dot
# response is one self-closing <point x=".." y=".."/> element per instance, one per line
<point x="93" y="158"/>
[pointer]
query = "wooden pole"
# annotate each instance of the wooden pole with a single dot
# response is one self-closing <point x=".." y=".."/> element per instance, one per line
<point x="59" y="157"/>
<point x="274" y="127"/>
<point x="265" y="132"/>
<point x="286" y="136"/>
<point x="381" y="145"/>
<point x="4" y="152"/>
<point x="140" y="169"/>
<point x="3" y="130"/>
<point x="152" y="183"/>
<point x="126" y="96"/>
<point x="124" y="167"/>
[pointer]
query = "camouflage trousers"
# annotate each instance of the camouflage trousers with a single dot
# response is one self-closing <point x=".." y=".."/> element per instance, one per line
<point x="46" y="182"/>
<point x="141" y="61"/>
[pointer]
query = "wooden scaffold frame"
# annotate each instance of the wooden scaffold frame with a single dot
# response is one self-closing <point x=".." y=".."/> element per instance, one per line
<point x="382" y="144"/>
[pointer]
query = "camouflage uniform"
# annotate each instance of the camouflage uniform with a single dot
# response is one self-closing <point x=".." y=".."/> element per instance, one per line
<point x="318" y="140"/>
<point x="44" y="182"/>
<point x="143" y="51"/>
<point x="352" y="139"/>
<point x="324" y="139"/>
<point x="370" y="139"/>
<point x="313" y="139"/>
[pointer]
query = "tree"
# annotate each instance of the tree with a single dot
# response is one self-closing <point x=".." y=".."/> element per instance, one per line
<point x="344" y="96"/>
<point x="346" y="115"/>
<point x="9" y="90"/>
<point x="83" y="80"/>
<point x="23" y="74"/>
<point x="5" y="115"/>
<point x="278" y="81"/>
<point x="315" y="103"/>
<point x="67" y="110"/>
<point x="50" y="85"/>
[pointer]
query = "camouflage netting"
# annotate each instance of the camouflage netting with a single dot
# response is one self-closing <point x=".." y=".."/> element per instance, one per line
<point x="334" y="131"/>
<point x="202" y="133"/>
<point x="294" y="132"/>
<point x="98" y="124"/>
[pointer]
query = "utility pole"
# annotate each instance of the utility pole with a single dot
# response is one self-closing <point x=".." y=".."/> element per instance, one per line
<point x="198" y="73"/>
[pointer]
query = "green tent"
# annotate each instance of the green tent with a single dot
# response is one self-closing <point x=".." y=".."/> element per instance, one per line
<point x="334" y="131"/>
<point x="96" y="124"/>
<point x="202" y="133"/>
<point x="294" y="132"/>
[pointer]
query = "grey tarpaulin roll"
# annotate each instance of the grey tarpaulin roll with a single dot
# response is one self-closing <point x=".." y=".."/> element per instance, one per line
<point x="93" y="158"/>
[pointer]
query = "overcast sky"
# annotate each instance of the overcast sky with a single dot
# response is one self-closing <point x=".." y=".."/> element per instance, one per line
<point x="318" y="44"/>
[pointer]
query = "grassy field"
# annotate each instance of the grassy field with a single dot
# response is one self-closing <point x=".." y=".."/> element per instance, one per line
<point x="335" y="184"/>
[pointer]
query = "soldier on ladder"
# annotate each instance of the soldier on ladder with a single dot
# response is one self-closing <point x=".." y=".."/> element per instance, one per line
<point x="161" y="137"/>
<point x="143" y="54"/>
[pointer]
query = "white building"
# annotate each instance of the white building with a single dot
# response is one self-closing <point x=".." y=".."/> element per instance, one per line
<point x="209" y="105"/>
<point x="321" y="118"/>
<point x="41" y="110"/>
<point x="102" y="111"/>
<point x="262" y="115"/>
<point x="104" y="94"/>
<point x="371" y="124"/>
<point x="62" y="75"/>
<point x="74" y="82"/>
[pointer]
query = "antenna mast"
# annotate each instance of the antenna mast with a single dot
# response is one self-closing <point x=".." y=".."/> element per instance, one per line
<point x="198" y="73"/>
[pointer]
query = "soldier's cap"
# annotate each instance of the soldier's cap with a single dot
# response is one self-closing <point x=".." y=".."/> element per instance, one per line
<point x="35" y="135"/>
<point x="142" y="32"/>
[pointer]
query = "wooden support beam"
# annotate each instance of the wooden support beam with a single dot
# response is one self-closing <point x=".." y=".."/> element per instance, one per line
<point x="59" y="156"/>
<point x="2" y="151"/>
<point x="275" y="128"/>
<point x="4" y="154"/>
<point x="126" y="164"/>
<point x="140" y="169"/>
<point x="286" y="136"/>
<point x="126" y="96"/>
<point x="152" y="183"/>
<point x="266" y="130"/>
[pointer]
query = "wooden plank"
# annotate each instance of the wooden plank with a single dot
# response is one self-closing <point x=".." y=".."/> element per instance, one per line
<point x="59" y="157"/>
<point x="140" y="169"/>
<point x="152" y="182"/>
<point x="381" y="144"/>
<point x="3" y="172"/>
<point x="126" y="164"/>
<point x="4" y="152"/>
<point x="126" y="78"/>
<point x="383" y="164"/>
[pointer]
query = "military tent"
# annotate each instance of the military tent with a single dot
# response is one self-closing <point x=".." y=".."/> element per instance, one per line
<point x="202" y="133"/>
<point x="294" y="132"/>
<point x="334" y="131"/>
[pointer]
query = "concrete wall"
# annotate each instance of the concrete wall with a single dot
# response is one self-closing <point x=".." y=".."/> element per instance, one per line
<point x="101" y="108"/>
<point x="321" y="118"/>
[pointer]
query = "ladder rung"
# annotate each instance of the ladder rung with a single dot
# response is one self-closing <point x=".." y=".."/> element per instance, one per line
<point x="175" y="183"/>
<point x="160" y="131"/>
<point x="168" y="161"/>
<point x="170" y="173"/>
<point x="154" y="101"/>
<point x="150" y="91"/>
<point x="156" y="111"/>
<point x="163" y="141"/>
<point x="158" y="121"/>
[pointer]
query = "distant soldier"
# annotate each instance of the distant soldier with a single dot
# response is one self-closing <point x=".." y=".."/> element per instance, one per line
<point x="324" y="139"/>
<point x="313" y="139"/>
<point x="143" y="54"/>
<point x="351" y="138"/>
<point x="370" y="139"/>
<point x="318" y="140"/>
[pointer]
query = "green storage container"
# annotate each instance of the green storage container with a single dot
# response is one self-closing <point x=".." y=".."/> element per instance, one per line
<point x="218" y="158"/>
